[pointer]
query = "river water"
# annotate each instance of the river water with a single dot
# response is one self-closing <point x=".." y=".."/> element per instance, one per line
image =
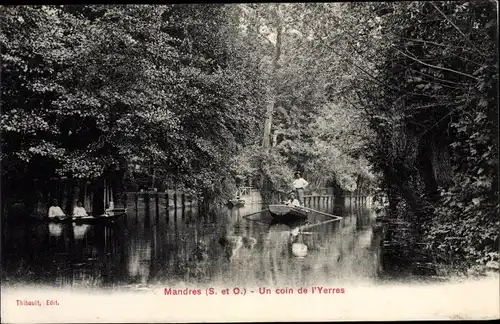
<point x="182" y="247"/>
<point x="89" y="269"/>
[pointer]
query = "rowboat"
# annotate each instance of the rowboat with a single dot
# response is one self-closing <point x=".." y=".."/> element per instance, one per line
<point x="236" y="203"/>
<point x="115" y="211"/>
<point x="109" y="215"/>
<point x="285" y="213"/>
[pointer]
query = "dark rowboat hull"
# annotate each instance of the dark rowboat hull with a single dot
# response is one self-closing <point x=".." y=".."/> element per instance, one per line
<point x="86" y="219"/>
<point x="236" y="203"/>
<point x="284" y="213"/>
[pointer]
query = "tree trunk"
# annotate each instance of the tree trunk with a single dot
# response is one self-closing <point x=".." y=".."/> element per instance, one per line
<point x="393" y="197"/>
<point x="441" y="163"/>
<point x="272" y="87"/>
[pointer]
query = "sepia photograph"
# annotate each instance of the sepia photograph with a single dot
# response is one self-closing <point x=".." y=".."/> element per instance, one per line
<point x="249" y="162"/>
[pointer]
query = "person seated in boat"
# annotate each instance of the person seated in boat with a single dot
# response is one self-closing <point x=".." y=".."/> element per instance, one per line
<point x="55" y="210"/>
<point x="298" y="185"/>
<point x="292" y="201"/>
<point x="79" y="210"/>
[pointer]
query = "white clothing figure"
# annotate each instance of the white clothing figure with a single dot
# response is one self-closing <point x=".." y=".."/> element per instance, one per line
<point x="55" y="211"/>
<point x="300" y="183"/>
<point x="292" y="201"/>
<point x="79" y="210"/>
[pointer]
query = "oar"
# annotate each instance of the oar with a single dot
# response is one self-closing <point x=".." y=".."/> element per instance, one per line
<point x="322" y="213"/>
<point x="303" y="227"/>
<point x="255" y="213"/>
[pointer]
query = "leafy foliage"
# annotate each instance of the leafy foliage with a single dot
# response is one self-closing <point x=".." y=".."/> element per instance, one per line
<point x="311" y="130"/>
<point x="428" y="92"/>
<point x="345" y="92"/>
<point x="87" y="89"/>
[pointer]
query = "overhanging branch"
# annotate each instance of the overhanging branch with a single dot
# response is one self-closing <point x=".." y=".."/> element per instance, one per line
<point x="434" y="66"/>
<point x="458" y="29"/>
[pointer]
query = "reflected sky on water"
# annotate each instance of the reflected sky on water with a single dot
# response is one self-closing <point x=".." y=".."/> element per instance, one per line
<point x="163" y="247"/>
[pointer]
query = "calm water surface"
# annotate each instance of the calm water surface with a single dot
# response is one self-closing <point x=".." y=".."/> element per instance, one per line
<point x="176" y="248"/>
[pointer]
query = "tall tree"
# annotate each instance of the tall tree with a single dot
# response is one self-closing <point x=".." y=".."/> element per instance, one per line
<point x="426" y="91"/>
<point x="87" y="89"/>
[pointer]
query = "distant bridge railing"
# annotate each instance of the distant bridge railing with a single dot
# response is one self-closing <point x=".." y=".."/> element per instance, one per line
<point x="245" y="191"/>
<point x="351" y="199"/>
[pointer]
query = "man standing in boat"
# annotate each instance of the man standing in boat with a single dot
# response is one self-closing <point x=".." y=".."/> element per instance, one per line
<point x="298" y="185"/>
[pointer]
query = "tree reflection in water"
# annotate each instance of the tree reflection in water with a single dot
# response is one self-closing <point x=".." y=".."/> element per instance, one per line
<point x="172" y="247"/>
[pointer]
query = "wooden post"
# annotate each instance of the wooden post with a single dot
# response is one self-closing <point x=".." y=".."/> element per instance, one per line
<point x="157" y="203"/>
<point x="124" y="200"/>
<point x="147" y="206"/>
<point x="175" y="199"/>
<point x="105" y="194"/>
<point x="111" y="193"/>
<point x="198" y="203"/>
<point x="166" y="201"/>
<point x="136" y="201"/>
<point x="183" y="204"/>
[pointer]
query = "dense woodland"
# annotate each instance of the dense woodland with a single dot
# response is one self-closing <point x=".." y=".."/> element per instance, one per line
<point x="396" y="97"/>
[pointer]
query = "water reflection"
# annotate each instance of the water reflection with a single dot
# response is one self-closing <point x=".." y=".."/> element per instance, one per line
<point x="79" y="230"/>
<point x="160" y="246"/>
<point x="55" y="229"/>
